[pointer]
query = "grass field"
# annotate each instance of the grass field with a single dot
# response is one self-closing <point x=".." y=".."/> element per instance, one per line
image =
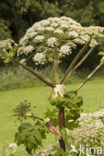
<point x="92" y="93"/>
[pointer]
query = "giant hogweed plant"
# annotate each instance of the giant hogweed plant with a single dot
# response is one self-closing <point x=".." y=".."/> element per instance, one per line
<point x="49" y="41"/>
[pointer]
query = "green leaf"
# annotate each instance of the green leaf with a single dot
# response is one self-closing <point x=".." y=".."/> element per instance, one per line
<point x="31" y="136"/>
<point x="101" y="53"/>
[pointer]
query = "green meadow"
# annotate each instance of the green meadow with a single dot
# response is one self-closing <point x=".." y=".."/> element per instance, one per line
<point x="92" y="93"/>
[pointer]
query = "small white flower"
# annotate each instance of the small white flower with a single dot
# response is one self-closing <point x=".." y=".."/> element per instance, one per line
<point x="54" y="24"/>
<point x="39" y="38"/>
<point x="36" y="25"/>
<point x="65" y="50"/>
<point x="49" y="29"/>
<point x="23" y="61"/>
<point x="52" y="41"/>
<point x="93" y="43"/>
<point x="6" y="44"/>
<point x="85" y="38"/>
<point x="64" y="25"/>
<point x="54" y="19"/>
<point x="71" y="44"/>
<point x="13" y="147"/>
<point x="64" y="18"/>
<point x="74" y="26"/>
<point x="23" y="41"/>
<point x="39" y="58"/>
<point x="58" y="31"/>
<point x="79" y="41"/>
<point x="40" y="28"/>
<point x="30" y="30"/>
<point x="45" y="22"/>
<point x="32" y="34"/>
<point x="25" y="50"/>
<point x="73" y="34"/>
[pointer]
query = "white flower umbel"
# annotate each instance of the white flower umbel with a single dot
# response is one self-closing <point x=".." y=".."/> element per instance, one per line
<point x="65" y="50"/>
<point x="39" y="58"/>
<point x="25" y="50"/>
<point x="59" y="90"/>
<point x="49" y="29"/>
<point x="45" y="22"/>
<point x="91" y="127"/>
<point x="93" y="43"/>
<point x="64" y="25"/>
<point x="58" y="31"/>
<point x="39" y="38"/>
<point x="23" y="61"/>
<point x="54" y="24"/>
<point x="79" y="41"/>
<point x="52" y="41"/>
<point x="32" y="34"/>
<point x="7" y="45"/>
<point x="13" y="147"/>
<point x="73" y="34"/>
<point x="40" y="28"/>
<point x="55" y="19"/>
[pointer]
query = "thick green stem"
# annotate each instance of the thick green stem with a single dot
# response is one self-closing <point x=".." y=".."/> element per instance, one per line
<point x="61" y="125"/>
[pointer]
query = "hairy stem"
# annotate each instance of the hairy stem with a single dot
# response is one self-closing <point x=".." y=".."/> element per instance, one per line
<point x="51" y="128"/>
<point x="74" y="61"/>
<point x="61" y="125"/>
<point x="89" y="76"/>
<point x="61" y="119"/>
<point x="61" y="112"/>
<point x="80" y="62"/>
<point x="38" y="75"/>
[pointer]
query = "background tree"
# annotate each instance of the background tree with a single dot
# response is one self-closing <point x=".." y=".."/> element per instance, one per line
<point x="22" y="14"/>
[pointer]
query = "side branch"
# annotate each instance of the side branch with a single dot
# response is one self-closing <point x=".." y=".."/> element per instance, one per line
<point x="51" y="128"/>
<point x="89" y="76"/>
<point x="80" y="62"/>
<point x="75" y="60"/>
<point x="38" y="75"/>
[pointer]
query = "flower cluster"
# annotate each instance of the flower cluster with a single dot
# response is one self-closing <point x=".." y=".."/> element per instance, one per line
<point x="39" y="38"/>
<point x="52" y="42"/>
<point x="63" y="32"/>
<point x="58" y="31"/>
<point x="6" y="45"/>
<point x="47" y="151"/>
<point x="73" y="34"/>
<point x="39" y="58"/>
<point x="8" y="49"/>
<point x="65" y="50"/>
<point x="26" y="50"/>
<point x="91" y="129"/>
<point x="23" y="61"/>
<point x="13" y="147"/>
